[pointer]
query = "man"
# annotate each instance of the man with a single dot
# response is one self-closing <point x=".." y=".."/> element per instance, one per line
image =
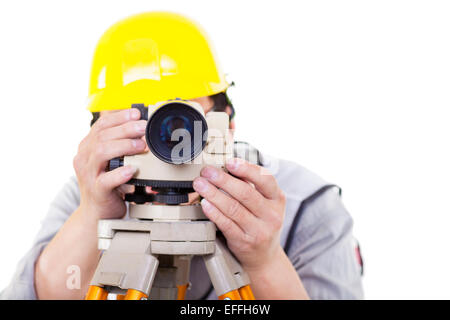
<point x="159" y="56"/>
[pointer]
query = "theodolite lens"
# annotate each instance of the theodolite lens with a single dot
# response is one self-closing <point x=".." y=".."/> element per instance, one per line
<point x="172" y="123"/>
<point x="175" y="133"/>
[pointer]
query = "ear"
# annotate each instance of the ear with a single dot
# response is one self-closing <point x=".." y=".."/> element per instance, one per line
<point x="229" y="110"/>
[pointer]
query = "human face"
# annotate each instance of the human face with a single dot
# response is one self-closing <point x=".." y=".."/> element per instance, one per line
<point x="206" y="102"/>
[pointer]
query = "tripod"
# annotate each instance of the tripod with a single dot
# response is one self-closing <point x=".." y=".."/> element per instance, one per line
<point x="149" y="256"/>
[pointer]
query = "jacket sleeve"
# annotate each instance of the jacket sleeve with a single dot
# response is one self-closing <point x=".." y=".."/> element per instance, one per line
<point x="21" y="286"/>
<point x="323" y="250"/>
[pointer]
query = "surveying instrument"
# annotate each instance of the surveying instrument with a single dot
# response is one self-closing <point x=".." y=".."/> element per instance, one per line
<point x="148" y="256"/>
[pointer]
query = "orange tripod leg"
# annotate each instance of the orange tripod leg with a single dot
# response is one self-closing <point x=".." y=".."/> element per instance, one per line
<point x="246" y="293"/>
<point x="135" y="295"/>
<point x="182" y="291"/>
<point x="231" y="295"/>
<point x="96" y="293"/>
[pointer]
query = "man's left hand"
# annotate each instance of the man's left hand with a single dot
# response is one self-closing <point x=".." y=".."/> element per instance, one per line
<point x="249" y="213"/>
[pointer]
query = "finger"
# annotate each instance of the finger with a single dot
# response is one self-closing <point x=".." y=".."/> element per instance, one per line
<point x="230" y="207"/>
<point x="229" y="229"/>
<point x="193" y="197"/>
<point x="130" y="130"/>
<point x="126" y="188"/>
<point x="116" y="148"/>
<point x="115" y="178"/>
<point x="238" y="189"/>
<point x="263" y="180"/>
<point x="109" y="120"/>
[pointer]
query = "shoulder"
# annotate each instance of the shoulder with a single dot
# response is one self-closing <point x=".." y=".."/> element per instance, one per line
<point x="314" y="209"/>
<point x="69" y="193"/>
<point x="296" y="181"/>
<point x="63" y="205"/>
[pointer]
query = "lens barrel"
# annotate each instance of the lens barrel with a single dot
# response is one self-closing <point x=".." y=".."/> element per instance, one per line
<point x="175" y="133"/>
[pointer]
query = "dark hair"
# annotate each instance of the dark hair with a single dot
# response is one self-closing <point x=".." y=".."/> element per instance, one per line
<point x="221" y="102"/>
<point x="95" y="116"/>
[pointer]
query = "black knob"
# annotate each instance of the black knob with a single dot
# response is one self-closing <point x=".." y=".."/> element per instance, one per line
<point x="171" y="198"/>
<point x="115" y="163"/>
<point x="143" y="109"/>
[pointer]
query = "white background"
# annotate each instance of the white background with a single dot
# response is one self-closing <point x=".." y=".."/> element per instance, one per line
<point x="357" y="91"/>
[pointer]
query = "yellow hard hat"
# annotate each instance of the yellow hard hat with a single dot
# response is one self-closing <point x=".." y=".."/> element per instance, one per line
<point x="152" y="57"/>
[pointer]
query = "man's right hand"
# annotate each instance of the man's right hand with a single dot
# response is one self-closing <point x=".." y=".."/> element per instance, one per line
<point x="114" y="134"/>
